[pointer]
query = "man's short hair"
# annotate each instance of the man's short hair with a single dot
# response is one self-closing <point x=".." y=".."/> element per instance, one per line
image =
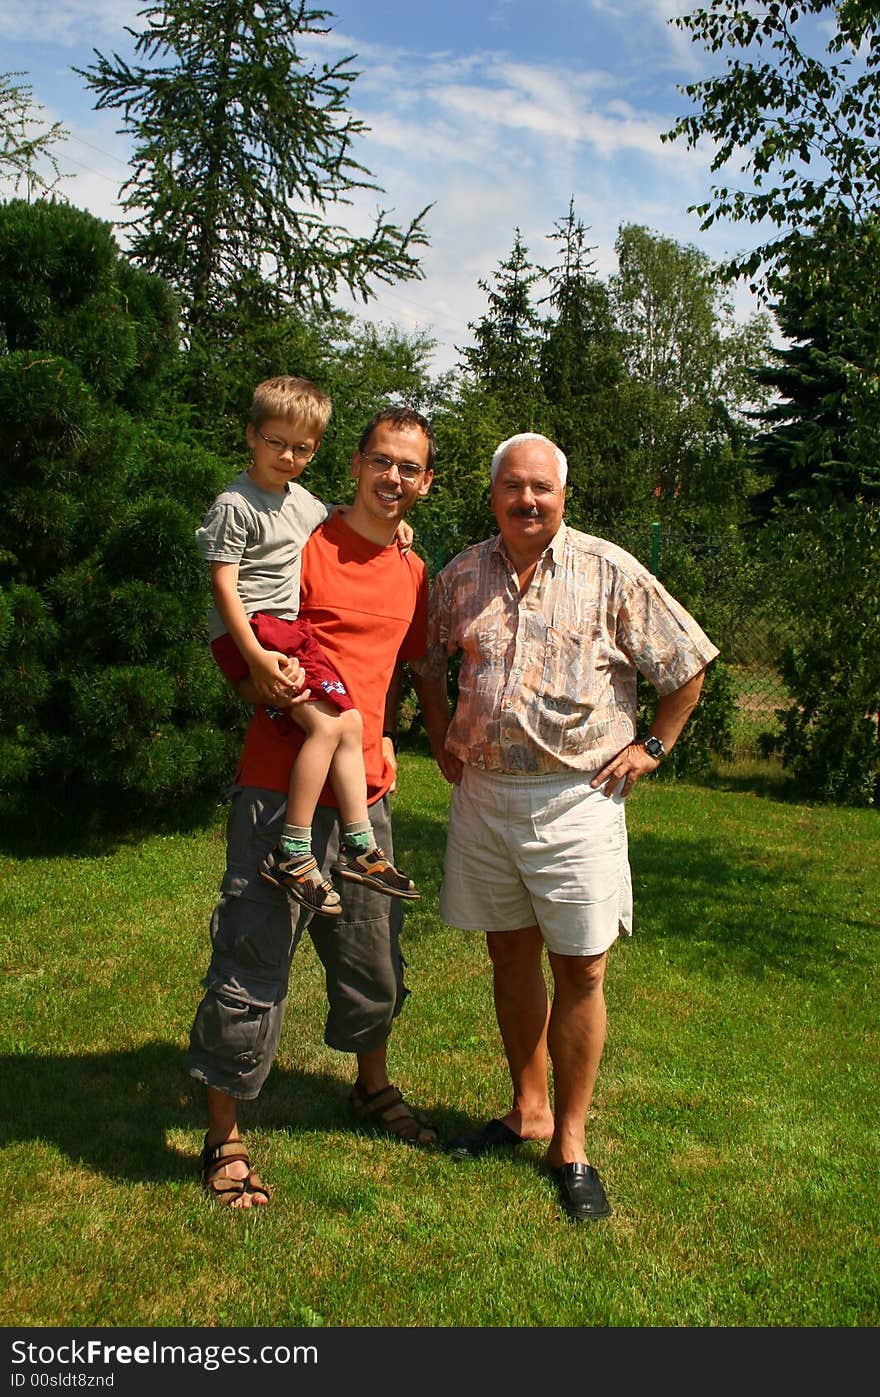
<point x="400" y="418"/>
<point x="297" y="400"/>
<point x="501" y="452"/>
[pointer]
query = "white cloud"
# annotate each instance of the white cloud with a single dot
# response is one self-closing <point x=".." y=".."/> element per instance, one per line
<point x="498" y="144"/>
<point x="65" y="21"/>
<point x="648" y="26"/>
<point x="478" y="103"/>
<point x="493" y="141"/>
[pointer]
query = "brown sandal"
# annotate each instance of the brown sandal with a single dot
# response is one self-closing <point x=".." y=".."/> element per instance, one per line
<point x="389" y="1112"/>
<point x="225" y="1190"/>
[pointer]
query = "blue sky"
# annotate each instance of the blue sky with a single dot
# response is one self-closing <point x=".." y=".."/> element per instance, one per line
<point x="495" y="113"/>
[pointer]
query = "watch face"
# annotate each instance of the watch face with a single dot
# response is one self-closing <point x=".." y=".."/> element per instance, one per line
<point x="654" y="747"/>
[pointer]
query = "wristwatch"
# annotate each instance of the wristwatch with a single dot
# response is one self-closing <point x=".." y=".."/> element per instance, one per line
<point x="654" y="747"/>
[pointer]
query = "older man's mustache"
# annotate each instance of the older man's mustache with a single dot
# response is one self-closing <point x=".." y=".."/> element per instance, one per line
<point x="526" y="513"/>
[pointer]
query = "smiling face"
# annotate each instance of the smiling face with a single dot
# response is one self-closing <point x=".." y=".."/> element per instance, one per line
<point x="392" y="474"/>
<point x="528" y="499"/>
<point x="280" y="452"/>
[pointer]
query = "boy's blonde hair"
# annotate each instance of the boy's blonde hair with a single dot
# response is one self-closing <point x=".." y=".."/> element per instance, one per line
<point x="297" y="400"/>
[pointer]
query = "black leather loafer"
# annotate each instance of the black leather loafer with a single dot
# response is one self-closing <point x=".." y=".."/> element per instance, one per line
<point x="581" y="1193"/>
<point x="493" y="1136"/>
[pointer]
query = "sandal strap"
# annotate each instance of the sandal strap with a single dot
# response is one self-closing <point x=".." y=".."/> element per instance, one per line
<point x="230" y="1152"/>
<point x="368" y="1106"/>
<point x="226" y="1190"/>
<point x="402" y="1122"/>
<point x="254" y="1184"/>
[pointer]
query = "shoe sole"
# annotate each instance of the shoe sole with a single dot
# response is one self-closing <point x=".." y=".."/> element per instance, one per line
<point x="292" y="893"/>
<point x="366" y="881"/>
<point x="574" y="1216"/>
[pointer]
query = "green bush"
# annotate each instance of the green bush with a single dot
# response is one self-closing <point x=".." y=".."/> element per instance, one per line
<point x="830" y="739"/>
<point x="708" y="736"/>
<point x="106" y="681"/>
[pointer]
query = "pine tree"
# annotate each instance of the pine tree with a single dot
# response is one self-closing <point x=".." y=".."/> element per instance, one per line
<point x="821" y="449"/>
<point x="821" y="443"/>
<point x="583" y="378"/>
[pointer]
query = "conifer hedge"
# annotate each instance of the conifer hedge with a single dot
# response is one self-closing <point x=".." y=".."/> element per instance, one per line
<point x="106" y="681"/>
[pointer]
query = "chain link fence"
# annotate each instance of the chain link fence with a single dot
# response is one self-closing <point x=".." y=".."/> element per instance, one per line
<point x="750" y="634"/>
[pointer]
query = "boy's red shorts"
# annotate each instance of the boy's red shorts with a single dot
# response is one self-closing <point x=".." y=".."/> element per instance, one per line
<point x="294" y="638"/>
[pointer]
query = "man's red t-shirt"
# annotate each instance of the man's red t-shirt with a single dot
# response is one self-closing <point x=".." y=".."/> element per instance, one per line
<point x="368" y="605"/>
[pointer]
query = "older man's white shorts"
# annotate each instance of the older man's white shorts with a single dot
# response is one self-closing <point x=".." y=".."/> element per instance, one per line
<point x="545" y="851"/>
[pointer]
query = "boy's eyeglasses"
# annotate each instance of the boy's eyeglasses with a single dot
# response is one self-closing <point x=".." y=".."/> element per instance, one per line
<point x="299" y="453"/>
<point x="407" y="470"/>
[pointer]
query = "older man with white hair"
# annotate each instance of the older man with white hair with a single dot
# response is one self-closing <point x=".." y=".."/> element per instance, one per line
<point x="553" y="626"/>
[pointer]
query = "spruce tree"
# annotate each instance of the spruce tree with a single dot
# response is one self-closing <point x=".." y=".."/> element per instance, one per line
<point x="242" y="150"/>
<point x="822" y="427"/>
<point x="583" y="378"/>
<point x="821" y="512"/>
<point x="505" y="360"/>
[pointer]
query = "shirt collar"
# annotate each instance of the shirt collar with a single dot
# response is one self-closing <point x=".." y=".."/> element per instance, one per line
<point x="555" y="547"/>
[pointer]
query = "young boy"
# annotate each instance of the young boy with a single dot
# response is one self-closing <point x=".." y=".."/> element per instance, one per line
<point x="253" y="536"/>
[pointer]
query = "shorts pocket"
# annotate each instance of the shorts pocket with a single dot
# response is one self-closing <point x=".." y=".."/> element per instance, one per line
<point x="231" y="1025"/>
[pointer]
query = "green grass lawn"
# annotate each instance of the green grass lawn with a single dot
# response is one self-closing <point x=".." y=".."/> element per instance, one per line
<point x="735" y="1121"/>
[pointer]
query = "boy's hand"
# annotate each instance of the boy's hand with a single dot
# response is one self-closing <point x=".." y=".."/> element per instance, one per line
<point x="271" y="677"/>
<point x="404" y="536"/>
<point x="295" y="675"/>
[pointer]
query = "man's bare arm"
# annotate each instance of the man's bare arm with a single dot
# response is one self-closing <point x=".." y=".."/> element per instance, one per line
<point x="672" y="713"/>
<point x="434" y="703"/>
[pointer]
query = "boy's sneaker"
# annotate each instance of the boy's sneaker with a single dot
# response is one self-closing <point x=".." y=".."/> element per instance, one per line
<point x="298" y="875"/>
<point x="376" y="871"/>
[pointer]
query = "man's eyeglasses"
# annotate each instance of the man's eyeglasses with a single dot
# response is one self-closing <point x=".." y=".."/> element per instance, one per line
<point x="407" y="470"/>
<point x="299" y="453"/>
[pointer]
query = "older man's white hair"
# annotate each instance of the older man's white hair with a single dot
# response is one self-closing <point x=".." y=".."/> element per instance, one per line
<point x="502" y="450"/>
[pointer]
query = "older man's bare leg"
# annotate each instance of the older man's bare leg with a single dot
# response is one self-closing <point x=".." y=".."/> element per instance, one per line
<point x="575" y="1040"/>
<point x="522" y="1010"/>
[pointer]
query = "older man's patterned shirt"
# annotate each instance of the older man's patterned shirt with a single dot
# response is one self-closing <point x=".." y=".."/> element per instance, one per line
<point x="548" y="679"/>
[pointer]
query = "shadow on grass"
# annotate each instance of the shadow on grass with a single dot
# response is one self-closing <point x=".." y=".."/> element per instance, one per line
<point x="755" y="912"/>
<point x="75" y="823"/>
<point x="768" y="782"/>
<point x="112" y="1111"/>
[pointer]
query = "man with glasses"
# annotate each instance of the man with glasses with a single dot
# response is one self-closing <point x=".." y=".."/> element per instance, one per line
<point x="366" y="602"/>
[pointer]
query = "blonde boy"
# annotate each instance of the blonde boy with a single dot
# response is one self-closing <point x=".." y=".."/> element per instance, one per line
<point x="253" y="536"/>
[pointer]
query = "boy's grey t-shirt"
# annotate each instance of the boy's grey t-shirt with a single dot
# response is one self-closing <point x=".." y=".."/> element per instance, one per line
<point x="264" y="533"/>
